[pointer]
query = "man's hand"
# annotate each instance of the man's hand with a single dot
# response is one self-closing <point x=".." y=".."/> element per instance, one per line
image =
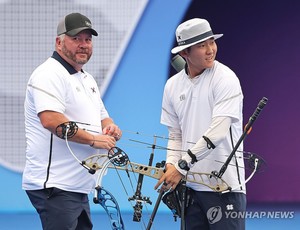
<point x="171" y="178"/>
<point x="113" y="130"/>
<point x="103" y="142"/>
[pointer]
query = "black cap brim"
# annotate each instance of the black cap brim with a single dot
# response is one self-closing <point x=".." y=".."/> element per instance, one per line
<point x="78" y="30"/>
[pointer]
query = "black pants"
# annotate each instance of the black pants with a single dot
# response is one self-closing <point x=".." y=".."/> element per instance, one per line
<point x="215" y="211"/>
<point x="61" y="210"/>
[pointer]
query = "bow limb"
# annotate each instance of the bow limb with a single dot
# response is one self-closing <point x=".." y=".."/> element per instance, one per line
<point x="107" y="200"/>
<point x="254" y="163"/>
<point x="111" y="207"/>
<point x="211" y="181"/>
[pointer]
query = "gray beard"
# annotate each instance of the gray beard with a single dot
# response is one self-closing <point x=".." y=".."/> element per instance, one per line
<point x="72" y="56"/>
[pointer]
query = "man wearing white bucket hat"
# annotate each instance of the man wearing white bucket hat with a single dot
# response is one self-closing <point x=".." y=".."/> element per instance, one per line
<point x="202" y="108"/>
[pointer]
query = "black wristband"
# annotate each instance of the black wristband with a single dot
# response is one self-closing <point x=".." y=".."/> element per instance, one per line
<point x="183" y="165"/>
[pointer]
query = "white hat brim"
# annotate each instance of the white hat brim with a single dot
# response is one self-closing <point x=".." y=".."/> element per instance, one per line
<point x="177" y="49"/>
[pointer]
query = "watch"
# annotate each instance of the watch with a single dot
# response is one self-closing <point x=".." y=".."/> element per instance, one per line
<point x="183" y="165"/>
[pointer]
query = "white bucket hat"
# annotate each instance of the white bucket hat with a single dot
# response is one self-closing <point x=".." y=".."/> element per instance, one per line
<point x="192" y="32"/>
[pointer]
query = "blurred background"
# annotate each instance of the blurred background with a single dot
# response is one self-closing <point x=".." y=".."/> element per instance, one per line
<point x="131" y="63"/>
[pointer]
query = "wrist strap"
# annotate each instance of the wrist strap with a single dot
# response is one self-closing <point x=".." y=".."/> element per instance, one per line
<point x="193" y="156"/>
<point x="210" y="145"/>
<point x="93" y="141"/>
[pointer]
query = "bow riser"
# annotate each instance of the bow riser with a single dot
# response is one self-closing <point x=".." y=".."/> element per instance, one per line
<point x="211" y="181"/>
<point x="94" y="163"/>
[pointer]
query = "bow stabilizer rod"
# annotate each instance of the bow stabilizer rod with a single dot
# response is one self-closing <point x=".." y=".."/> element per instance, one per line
<point x="138" y="207"/>
<point x="247" y="130"/>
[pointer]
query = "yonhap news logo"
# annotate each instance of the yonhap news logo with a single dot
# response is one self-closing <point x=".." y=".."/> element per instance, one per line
<point x="260" y="214"/>
<point x="215" y="214"/>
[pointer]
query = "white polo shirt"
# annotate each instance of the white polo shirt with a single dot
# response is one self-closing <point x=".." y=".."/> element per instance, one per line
<point x="190" y="104"/>
<point x="57" y="86"/>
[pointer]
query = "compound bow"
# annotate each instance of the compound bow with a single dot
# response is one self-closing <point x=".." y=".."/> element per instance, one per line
<point x="118" y="159"/>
